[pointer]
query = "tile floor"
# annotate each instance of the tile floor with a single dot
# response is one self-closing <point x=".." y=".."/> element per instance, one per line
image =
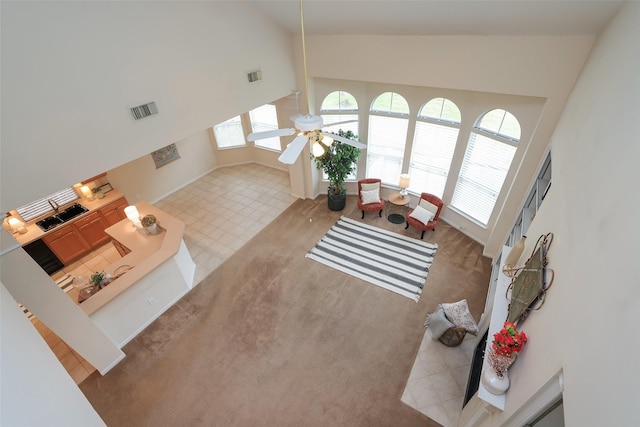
<point x="219" y="210"/>
<point x="438" y="379"/>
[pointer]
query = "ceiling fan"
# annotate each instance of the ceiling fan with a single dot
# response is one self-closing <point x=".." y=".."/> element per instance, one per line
<point x="308" y="127"/>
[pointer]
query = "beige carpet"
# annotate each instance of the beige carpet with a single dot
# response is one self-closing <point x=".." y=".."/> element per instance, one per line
<point x="272" y="338"/>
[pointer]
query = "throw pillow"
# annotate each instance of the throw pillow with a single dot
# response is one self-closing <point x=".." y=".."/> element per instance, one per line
<point x="421" y="214"/>
<point x="438" y="323"/>
<point x="429" y="206"/>
<point x="459" y="314"/>
<point x="371" y="196"/>
<point x="370" y="186"/>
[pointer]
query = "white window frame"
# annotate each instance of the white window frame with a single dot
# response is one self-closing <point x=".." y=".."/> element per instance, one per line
<point x="387" y="138"/>
<point x="487" y="160"/>
<point x="434" y="142"/>
<point x="229" y="134"/>
<point x="262" y="119"/>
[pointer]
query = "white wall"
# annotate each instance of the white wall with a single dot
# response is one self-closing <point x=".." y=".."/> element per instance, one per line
<point x="140" y="180"/>
<point x="587" y="326"/>
<point x="532" y="67"/>
<point x="35" y="388"/>
<point x="70" y="70"/>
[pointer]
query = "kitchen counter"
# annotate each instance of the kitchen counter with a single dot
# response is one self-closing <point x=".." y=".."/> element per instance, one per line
<point x="161" y="272"/>
<point x="34" y="232"/>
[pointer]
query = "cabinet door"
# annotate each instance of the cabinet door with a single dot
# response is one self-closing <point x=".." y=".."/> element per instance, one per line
<point x="92" y="229"/>
<point x="114" y="212"/>
<point x="67" y="243"/>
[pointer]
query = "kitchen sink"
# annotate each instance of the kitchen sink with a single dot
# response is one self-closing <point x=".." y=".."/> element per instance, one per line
<point x="61" y="217"/>
<point x="71" y="212"/>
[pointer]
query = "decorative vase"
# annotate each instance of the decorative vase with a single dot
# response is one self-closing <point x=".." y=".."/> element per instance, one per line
<point x="494" y="383"/>
<point x="152" y="229"/>
<point x="496" y="377"/>
<point x="513" y="257"/>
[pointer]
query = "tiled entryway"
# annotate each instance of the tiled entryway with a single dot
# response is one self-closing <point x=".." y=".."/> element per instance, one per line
<point x="438" y="379"/>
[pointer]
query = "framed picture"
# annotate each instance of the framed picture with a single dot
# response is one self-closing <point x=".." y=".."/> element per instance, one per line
<point x="105" y="188"/>
<point x="165" y="155"/>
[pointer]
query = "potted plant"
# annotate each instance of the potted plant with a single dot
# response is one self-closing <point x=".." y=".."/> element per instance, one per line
<point x="338" y="161"/>
<point x="98" y="278"/>
<point x="150" y="223"/>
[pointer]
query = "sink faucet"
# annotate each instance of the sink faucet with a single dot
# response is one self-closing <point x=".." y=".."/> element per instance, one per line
<point x="54" y="205"/>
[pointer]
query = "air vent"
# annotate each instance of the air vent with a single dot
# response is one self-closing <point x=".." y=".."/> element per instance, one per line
<point x="254" y="76"/>
<point x="145" y="110"/>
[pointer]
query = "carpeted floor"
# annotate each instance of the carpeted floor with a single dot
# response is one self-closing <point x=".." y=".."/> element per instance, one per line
<point x="271" y="338"/>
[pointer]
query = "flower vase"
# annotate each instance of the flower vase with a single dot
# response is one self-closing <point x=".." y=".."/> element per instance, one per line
<point x="496" y="378"/>
<point x="152" y="229"/>
<point x="494" y="383"/>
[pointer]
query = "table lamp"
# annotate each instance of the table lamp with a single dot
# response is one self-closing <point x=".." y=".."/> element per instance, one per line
<point x="405" y="179"/>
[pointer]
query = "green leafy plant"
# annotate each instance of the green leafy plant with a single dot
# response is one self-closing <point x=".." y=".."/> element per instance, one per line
<point x="97" y="278"/>
<point x="338" y="161"/>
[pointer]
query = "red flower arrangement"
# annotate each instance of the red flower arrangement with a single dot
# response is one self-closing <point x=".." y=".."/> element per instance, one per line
<point x="508" y="340"/>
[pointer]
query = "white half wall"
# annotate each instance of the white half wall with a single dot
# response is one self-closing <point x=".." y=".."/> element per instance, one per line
<point x="35" y="388"/>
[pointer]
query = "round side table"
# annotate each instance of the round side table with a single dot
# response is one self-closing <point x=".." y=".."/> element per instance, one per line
<point x="397" y="203"/>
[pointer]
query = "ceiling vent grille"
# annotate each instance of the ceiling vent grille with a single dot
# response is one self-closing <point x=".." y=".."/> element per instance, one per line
<point x="254" y="76"/>
<point x="145" y="110"/>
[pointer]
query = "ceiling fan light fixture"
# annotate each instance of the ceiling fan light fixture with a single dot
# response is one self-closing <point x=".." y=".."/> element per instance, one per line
<point x="308" y="122"/>
<point x="326" y="140"/>
<point x="318" y="149"/>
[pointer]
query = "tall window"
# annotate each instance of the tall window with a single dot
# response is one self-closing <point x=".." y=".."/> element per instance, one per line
<point x="229" y="133"/>
<point x="262" y="119"/>
<point x="388" y="122"/>
<point x="339" y="110"/>
<point x="490" y="150"/>
<point x="434" y="141"/>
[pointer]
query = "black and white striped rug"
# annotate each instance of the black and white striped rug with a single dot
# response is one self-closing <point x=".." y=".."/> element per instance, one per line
<point x="389" y="260"/>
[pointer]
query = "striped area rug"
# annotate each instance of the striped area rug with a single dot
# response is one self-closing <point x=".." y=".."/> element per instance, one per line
<point x="389" y="260"/>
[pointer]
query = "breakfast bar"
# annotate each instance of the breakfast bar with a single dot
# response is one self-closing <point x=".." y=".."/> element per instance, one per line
<point x="158" y="271"/>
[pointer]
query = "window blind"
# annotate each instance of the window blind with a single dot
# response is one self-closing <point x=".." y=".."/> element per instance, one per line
<point x="385" y="148"/>
<point x="431" y="154"/>
<point x="229" y="133"/>
<point x="265" y="118"/>
<point x="484" y="168"/>
<point x="42" y="206"/>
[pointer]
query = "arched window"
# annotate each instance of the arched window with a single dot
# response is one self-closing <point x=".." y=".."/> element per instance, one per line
<point x="388" y="122"/>
<point x="434" y="141"/>
<point x="339" y="110"/>
<point x="492" y="145"/>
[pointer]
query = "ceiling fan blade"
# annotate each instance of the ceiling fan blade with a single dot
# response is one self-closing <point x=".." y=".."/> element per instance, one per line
<point x="270" y="133"/>
<point x="348" y="141"/>
<point x="293" y="150"/>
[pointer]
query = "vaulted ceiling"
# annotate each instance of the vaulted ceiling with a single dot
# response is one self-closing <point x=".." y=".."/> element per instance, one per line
<point x="437" y="17"/>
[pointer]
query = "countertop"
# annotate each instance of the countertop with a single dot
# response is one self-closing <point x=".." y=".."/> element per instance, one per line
<point x="147" y="253"/>
<point x="34" y="232"/>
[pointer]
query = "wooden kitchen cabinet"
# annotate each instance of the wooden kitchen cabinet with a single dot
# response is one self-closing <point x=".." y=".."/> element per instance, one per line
<point x="114" y="211"/>
<point x="91" y="228"/>
<point x="67" y="243"/>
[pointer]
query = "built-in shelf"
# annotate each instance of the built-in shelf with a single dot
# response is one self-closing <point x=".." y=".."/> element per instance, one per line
<point x="498" y="316"/>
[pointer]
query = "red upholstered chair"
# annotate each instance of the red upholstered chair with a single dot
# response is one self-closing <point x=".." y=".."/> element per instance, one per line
<point x="431" y="225"/>
<point x="370" y="207"/>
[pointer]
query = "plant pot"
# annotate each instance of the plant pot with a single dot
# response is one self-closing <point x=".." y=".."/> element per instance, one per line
<point x="336" y="202"/>
<point x="152" y="229"/>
